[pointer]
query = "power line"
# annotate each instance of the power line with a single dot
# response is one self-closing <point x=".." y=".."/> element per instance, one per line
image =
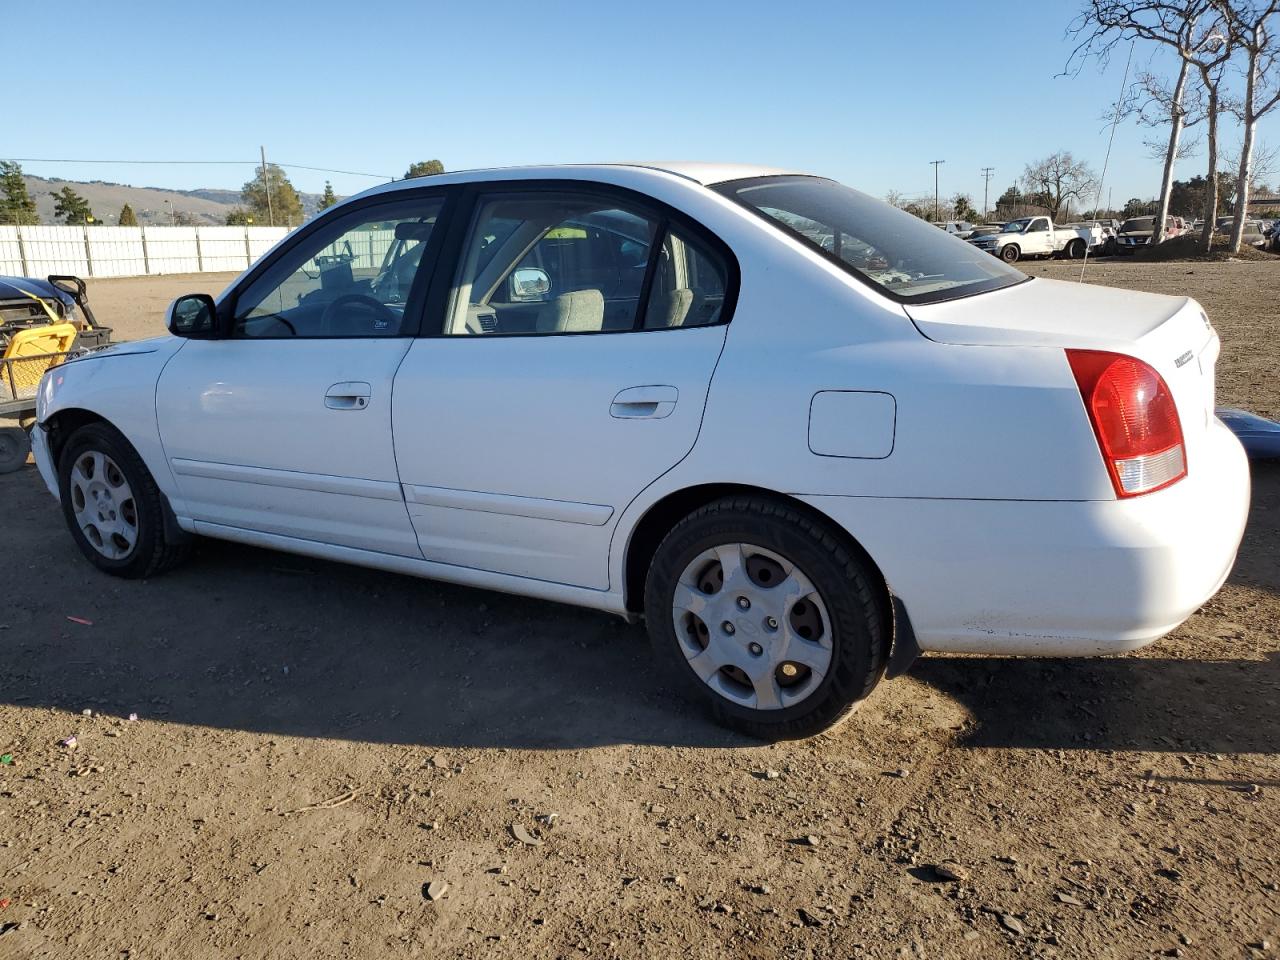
<point x="212" y="163"/>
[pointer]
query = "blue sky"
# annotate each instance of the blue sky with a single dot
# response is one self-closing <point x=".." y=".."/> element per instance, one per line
<point x="868" y="93"/>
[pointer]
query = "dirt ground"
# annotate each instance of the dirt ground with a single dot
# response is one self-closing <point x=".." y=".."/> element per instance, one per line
<point x="317" y="744"/>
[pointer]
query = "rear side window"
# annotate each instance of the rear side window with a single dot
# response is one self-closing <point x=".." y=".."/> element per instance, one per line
<point x="562" y="261"/>
<point x="689" y="283"/>
<point x="903" y="256"/>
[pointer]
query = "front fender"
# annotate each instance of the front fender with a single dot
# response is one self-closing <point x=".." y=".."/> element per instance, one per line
<point x="120" y="388"/>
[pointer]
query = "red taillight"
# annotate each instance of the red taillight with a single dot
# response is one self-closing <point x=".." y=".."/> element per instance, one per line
<point x="1134" y="418"/>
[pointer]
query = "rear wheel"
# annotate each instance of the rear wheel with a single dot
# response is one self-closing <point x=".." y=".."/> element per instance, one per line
<point x="1009" y="253"/>
<point x="15" y="444"/>
<point x="1075" y="249"/>
<point x="112" y="506"/>
<point x="766" y="617"/>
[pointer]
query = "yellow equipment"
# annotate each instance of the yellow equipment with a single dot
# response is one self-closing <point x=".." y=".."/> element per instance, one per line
<point x="30" y="353"/>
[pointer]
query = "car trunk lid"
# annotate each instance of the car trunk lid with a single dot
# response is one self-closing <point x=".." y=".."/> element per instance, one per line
<point x="1172" y="334"/>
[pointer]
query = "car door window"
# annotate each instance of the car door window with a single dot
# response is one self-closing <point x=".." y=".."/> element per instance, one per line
<point x="350" y="279"/>
<point x="689" y="282"/>
<point x="541" y="263"/>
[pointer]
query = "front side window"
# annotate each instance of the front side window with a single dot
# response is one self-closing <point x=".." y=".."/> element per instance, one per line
<point x="900" y="254"/>
<point x="349" y="279"/>
<point x="552" y="263"/>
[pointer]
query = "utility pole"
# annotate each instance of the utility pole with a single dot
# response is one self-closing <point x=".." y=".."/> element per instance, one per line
<point x="935" y="163"/>
<point x="266" y="185"/>
<point x="987" y="173"/>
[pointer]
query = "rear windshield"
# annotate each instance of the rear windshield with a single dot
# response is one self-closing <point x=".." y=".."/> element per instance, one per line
<point x="902" y="255"/>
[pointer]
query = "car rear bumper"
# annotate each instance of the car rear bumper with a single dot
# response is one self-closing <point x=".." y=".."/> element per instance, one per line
<point x="1073" y="578"/>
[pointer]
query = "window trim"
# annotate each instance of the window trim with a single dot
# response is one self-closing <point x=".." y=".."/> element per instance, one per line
<point x="413" y="309"/>
<point x="664" y="216"/>
<point x="728" y="189"/>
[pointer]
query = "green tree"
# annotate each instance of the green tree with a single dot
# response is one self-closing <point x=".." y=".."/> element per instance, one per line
<point x="285" y="208"/>
<point x="1139" y="208"/>
<point x="72" y="208"/>
<point x="127" y="217"/>
<point x="963" y="208"/>
<point x="1010" y="197"/>
<point x="424" y="168"/>
<point x="328" y="198"/>
<point x="239" y="217"/>
<point x="16" y="205"/>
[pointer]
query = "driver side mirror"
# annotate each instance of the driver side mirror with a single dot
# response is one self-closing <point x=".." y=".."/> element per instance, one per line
<point x="530" y="283"/>
<point x="193" y="316"/>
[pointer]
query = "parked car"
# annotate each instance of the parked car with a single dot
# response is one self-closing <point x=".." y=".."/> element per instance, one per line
<point x="804" y="435"/>
<point x="1253" y="234"/>
<point x="1135" y="234"/>
<point x="984" y="230"/>
<point x="957" y="228"/>
<point x="1035" y="237"/>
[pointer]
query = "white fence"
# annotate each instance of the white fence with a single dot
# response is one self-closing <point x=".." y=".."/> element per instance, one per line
<point x="100" y="251"/>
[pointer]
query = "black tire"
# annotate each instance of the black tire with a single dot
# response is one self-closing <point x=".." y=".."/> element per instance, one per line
<point x="155" y="548"/>
<point x="847" y="588"/>
<point x="1010" y="253"/>
<point x="15" y="444"/>
<point x="1075" y="249"/>
<point x="1109" y="248"/>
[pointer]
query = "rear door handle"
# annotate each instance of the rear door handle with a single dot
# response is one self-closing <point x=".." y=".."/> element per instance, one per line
<point x="348" y="395"/>
<point x="649" y="403"/>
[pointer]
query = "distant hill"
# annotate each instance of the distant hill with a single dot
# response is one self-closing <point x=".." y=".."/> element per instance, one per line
<point x="207" y="205"/>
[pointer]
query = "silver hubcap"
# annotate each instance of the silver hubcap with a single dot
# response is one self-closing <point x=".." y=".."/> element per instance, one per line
<point x="752" y="626"/>
<point x="103" y="503"/>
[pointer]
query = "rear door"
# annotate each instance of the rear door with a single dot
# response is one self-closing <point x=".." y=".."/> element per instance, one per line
<point x="284" y="425"/>
<point x="575" y="345"/>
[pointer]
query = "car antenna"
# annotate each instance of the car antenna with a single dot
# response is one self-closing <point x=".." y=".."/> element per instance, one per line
<point x="1115" y="122"/>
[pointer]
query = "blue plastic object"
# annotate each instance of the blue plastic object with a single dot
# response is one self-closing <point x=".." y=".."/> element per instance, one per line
<point x="1260" y="437"/>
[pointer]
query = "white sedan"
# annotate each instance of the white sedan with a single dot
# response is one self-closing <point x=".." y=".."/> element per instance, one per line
<point x="803" y="434"/>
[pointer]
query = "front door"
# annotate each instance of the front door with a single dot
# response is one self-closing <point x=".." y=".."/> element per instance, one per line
<point x="284" y="425"/>
<point x="579" y="340"/>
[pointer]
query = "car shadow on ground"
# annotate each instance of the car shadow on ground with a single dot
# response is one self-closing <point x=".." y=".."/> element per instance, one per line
<point x="1120" y="703"/>
<point x="259" y="641"/>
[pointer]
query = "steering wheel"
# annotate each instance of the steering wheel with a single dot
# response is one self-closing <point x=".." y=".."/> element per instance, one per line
<point x="380" y="309"/>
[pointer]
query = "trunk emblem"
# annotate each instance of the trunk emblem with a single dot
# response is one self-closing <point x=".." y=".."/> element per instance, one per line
<point x="1183" y="360"/>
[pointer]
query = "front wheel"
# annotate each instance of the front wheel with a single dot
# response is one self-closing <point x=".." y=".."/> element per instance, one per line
<point x="112" y="506"/>
<point x="766" y="617"/>
<point x="1009" y="253"/>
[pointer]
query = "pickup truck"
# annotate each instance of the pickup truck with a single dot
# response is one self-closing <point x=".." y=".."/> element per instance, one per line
<point x="1036" y="237"/>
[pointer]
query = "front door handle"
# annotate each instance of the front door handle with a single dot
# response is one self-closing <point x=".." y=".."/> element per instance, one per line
<point x="648" y="403"/>
<point x="348" y="395"/>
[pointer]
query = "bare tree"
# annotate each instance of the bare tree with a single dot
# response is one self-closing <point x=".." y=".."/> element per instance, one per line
<point x="1249" y="22"/>
<point x="1059" y="178"/>
<point x="1173" y="24"/>
<point x="1210" y="60"/>
<point x="1180" y="106"/>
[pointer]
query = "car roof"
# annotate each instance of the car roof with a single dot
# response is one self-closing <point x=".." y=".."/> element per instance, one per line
<point x="701" y="172"/>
